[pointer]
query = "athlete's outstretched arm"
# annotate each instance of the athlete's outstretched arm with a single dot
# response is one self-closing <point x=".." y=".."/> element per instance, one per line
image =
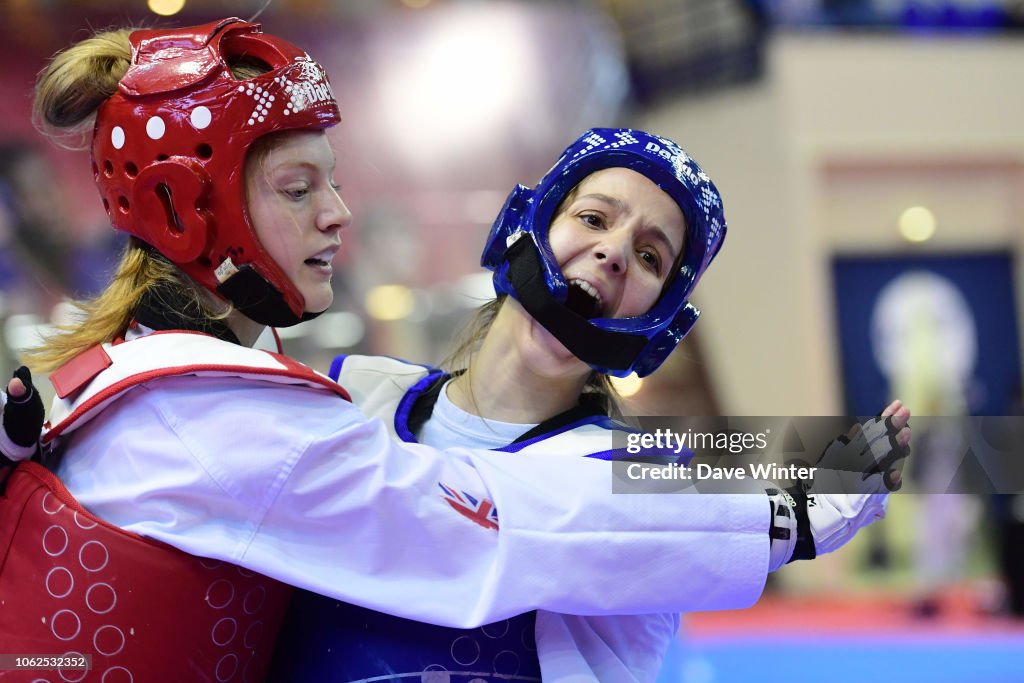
<point x="299" y="485"/>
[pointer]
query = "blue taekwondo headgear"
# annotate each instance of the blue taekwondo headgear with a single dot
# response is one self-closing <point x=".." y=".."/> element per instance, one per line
<point x="526" y="269"/>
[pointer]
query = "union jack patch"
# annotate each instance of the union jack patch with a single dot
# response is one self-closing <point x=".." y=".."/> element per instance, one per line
<point x="480" y="512"/>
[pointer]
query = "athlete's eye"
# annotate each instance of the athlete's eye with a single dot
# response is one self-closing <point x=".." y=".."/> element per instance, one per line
<point x="652" y="260"/>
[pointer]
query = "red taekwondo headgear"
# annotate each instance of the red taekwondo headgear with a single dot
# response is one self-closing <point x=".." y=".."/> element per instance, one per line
<point x="169" y="152"/>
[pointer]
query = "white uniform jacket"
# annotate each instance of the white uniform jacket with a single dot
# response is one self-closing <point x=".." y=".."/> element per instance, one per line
<point x="616" y="649"/>
<point x="292" y="481"/>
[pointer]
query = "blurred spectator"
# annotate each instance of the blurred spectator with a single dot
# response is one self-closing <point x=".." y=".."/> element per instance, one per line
<point x="41" y="261"/>
<point x="38" y="248"/>
<point x="36" y="245"/>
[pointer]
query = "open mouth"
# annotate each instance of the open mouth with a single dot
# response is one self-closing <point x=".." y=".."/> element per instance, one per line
<point x="583" y="299"/>
<point x="318" y="262"/>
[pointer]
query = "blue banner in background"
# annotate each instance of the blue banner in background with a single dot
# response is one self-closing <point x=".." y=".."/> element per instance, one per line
<point x="949" y="319"/>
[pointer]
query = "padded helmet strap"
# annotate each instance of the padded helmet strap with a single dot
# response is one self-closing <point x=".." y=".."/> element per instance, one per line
<point x="259" y="300"/>
<point x="592" y="345"/>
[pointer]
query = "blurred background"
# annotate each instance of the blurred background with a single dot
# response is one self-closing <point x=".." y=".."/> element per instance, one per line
<point x="871" y="158"/>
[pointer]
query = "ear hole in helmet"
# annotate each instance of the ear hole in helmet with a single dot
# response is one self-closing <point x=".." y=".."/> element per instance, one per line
<point x="163" y="193"/>
<point x="95" y="171"/>
<point x="108" y="168"/>
<point x="161" y="157"/>
<point x="131" y="170"/>
<point x="122" y="202"/>
<point x="204" y="151"/>
<point x="163" y="197"/>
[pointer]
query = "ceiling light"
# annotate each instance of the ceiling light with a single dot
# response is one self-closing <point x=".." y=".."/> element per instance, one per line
<point x="917" y="224"/>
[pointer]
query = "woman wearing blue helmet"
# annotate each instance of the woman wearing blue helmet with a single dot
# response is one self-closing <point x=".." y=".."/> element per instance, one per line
<point x="530" y="271"/>
<point x="593" y="269"/>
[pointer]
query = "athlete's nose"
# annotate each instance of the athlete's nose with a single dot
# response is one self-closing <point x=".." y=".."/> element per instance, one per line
<point x="612" y="251"/>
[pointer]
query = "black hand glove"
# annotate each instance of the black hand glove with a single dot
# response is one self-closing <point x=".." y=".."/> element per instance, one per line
<point x="850" y="487"/>
<point x="23" y="420"/>
<point x="850" y="490"/>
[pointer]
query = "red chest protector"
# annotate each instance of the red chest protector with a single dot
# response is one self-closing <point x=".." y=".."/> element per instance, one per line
<point x="71" y="584"/>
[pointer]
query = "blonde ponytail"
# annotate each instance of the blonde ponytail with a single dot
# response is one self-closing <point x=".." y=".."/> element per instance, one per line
<point x="107" y="316"/>
<point x="76" y="82"/>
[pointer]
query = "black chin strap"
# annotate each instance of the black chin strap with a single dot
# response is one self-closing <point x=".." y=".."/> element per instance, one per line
<point x="592" y="345"/>
<point x="258" y="300"/>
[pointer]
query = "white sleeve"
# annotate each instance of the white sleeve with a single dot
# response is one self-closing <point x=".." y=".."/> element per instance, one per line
<point x="322" y="498"/>
<point x="613" y="649"/>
